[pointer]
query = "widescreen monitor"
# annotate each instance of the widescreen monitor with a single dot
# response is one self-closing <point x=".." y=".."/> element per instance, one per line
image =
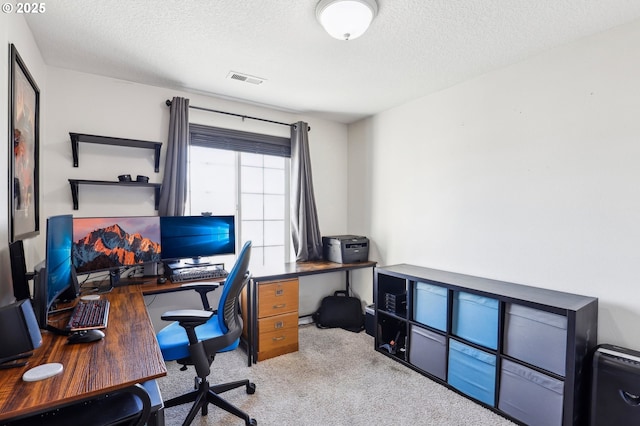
<point x="110" y="243"/>
<point x="58" y="256"/>
<point x="197" y="238"/>
<point x="55" y="275"/>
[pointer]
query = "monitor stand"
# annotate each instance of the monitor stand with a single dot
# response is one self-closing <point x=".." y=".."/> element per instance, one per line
<point x="114" y="278"/>
<point x="197" y="261"/>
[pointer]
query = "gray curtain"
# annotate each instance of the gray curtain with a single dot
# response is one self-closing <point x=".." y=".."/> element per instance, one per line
<point x="305" y="230"/>
<point x="173" y="195"/>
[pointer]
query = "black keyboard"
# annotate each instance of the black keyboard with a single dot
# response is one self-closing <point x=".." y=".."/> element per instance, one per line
<point x="89" y="315"/>
<point x="192" y="274"/>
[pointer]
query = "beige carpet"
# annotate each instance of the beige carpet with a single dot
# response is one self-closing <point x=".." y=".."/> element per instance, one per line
<point x="336" y="378"/>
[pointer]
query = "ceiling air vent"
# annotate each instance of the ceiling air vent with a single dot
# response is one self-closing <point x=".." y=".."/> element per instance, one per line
<point x="245" y="77"/>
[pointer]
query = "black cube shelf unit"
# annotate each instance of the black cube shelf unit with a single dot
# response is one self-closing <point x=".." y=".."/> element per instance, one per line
<point x="521" y="351"/>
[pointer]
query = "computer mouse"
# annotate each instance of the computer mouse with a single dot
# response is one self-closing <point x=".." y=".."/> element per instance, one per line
<point x="162" y="280"/>
<point x="85" y="336"/>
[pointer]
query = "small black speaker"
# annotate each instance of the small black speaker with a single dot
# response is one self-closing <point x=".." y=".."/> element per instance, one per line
<point x="19" y="331"/>
<point x="19" y="274"/>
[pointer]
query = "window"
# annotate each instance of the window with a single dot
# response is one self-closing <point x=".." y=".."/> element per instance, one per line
<point x="253" y="187"/>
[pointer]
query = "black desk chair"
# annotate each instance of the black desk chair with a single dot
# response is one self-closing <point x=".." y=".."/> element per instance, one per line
<point x="197" y="336"/>
<point x="130" y="406"/>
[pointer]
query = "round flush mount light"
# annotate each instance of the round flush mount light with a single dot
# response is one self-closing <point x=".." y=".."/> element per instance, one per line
<point x="346" y="19"/>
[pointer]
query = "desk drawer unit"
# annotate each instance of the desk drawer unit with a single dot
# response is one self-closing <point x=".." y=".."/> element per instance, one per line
<point x="278" y="323"/>
<point x="277" y="304"/>
<point x="277" y="335"/>
<point x="277" y="297"/>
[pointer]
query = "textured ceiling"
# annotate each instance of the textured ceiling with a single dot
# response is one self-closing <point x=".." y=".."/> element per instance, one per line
<point x="413" y="48"/>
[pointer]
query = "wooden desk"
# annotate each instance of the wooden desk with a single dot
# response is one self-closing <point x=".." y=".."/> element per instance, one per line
<point x="299" y="269"/>
<point x="128" y="354"/>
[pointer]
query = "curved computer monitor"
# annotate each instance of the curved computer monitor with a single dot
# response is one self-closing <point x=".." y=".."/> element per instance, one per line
<point x="55" y="275"/>
<point x="197" y="238"/>
<point x="109" y="243"/>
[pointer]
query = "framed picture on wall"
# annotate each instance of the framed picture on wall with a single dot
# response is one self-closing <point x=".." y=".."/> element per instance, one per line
<point x="24" y="131"/>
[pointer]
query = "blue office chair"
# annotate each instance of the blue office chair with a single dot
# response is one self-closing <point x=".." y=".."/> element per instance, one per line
<point x="197" y="336"/>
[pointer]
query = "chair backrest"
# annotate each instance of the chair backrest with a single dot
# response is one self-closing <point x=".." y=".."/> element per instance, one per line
<point x="230" y="321"/>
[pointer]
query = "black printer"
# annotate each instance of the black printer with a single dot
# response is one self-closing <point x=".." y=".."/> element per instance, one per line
<point x="345" y="248"/>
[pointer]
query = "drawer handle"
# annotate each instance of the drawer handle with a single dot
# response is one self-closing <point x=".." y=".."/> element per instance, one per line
<point x="278" y="339"/>
<point x="279" y="292"/>
<point x="279" y="324"/>
<point x="629" y="398"/>
<point x="282" y="305"/>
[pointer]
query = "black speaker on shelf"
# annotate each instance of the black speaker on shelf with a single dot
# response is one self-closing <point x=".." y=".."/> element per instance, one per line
<point x="19" y="331"/>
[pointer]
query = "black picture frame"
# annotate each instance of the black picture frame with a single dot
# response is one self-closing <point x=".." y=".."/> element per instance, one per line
<point x="24" y="132"/>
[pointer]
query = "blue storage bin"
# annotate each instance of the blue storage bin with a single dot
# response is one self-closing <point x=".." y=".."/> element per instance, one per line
<point x="472" y="371"/>
<point x="430" y="305"/>
<point x="475" y="318"/>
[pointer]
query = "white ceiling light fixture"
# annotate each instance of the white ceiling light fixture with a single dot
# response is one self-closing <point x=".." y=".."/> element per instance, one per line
<point x="346" y="19"/>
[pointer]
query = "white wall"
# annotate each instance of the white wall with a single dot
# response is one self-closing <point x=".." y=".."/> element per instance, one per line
<point x="528" y="174"/>
<point x="13" y="29"/>
<point x="85" y="103"/>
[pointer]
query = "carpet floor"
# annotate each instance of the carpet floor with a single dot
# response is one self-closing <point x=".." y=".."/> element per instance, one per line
<point x="336" y="378"/>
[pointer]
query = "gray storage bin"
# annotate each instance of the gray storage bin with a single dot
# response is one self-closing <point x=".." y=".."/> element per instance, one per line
<point x="530" y="396"/>
<point x="428" y="351"/>
<point x="536" y="337"/>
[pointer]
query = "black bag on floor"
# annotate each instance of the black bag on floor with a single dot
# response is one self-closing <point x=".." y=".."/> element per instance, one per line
<point x="340" y="311"/>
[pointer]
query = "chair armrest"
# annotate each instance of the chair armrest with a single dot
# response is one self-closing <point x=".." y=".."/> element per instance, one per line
<point x="202" y="285"/>
<point x="187" y="315"/>
<point x="203" y="288"/>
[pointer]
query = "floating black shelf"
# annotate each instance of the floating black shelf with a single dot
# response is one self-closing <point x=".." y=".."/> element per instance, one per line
<point x="106" y="140"/>
<point x="77" y="182"/>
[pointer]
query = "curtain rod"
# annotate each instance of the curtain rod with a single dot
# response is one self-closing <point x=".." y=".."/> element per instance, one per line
<point x="168" y="102"/>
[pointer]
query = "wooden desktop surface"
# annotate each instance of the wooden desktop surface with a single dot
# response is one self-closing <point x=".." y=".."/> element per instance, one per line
<point x="267" y="273"/>
<point x="128" y="354"/>
<point x="298" y="269"/>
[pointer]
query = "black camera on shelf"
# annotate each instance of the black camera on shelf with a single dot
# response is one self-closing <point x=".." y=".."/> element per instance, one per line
<point x="124" y="178"/>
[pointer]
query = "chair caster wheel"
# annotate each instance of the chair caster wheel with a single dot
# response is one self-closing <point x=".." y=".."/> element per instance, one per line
<point x="252" y="422"/>
<point x="251" y="389"/>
